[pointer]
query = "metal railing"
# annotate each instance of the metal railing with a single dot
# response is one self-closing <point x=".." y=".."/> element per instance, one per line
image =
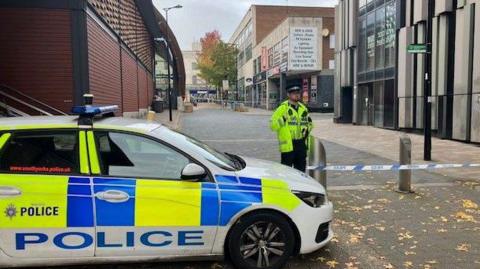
<point x="28" y="102"/>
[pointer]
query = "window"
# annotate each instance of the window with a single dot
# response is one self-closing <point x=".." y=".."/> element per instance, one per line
<point x="194" y="80"/>
<point x="332" y="41"/>
<point x="248" y="53"/>
<point x="362" y="49"/>
<point x="380" y="39"/>
<point x="331" y="64"/>
<point x="390" y="26"/>
<point x="194" y="66"/>
<point x="371" y="41"/>
<point x="41" y="152"/>
<point x="126" y="155"/>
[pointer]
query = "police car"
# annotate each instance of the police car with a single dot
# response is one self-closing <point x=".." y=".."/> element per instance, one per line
<point x="93" y="189"/>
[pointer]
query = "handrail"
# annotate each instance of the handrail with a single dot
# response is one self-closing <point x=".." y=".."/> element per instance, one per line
<point x="25" y="104"/>
<point x="14" y="110"/>
<point x="33" y="99"/>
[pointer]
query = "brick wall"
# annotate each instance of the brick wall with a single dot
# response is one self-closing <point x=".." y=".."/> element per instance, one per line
<point x="104" y="66"/>
<point x="124" y="18"/>
<point x="129" y="82"/>
<point x="36" y="54"/>
<point x="328" y="53"/>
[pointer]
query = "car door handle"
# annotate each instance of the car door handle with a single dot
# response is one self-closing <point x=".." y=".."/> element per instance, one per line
<point x="113" y="196"/>
<point x="9" y="191"/>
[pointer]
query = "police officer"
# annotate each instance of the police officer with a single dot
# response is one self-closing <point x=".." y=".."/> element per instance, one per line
<point x="293" y="126"/>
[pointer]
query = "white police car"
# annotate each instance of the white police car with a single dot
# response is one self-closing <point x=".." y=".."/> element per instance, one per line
<point x="78" y="190"/>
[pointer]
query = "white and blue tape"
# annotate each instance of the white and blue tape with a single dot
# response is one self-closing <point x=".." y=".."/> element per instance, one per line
<point x="391" y="167"/>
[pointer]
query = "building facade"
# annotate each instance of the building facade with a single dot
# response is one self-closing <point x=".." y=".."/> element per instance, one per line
<point x="378" y="82"/>
<point x="53" y="52"/>
<point x="195" y="85"/>
<point x="268" y="63"/>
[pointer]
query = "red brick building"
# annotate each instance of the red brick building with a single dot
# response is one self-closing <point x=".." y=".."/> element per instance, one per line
<point x="54" y="51"/>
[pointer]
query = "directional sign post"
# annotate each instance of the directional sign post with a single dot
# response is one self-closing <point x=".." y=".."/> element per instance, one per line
<point x="418" y="48"/>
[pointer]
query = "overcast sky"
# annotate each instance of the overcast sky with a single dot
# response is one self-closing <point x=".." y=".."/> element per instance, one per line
<point x="200" y="16"/>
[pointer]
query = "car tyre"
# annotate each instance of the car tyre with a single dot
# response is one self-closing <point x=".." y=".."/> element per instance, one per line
<point x="264" y="240"/>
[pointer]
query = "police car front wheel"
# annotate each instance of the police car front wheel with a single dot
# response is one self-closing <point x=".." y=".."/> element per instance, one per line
<point x="261" y="241"/>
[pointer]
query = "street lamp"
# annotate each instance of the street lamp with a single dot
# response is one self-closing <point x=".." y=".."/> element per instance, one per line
<point x="167" y="43"/>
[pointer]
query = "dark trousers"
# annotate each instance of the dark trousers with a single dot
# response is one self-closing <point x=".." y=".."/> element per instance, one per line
<point x="298" y="157"/>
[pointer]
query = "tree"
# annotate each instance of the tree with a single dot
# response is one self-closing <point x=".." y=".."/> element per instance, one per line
<point x="217" y="60"/>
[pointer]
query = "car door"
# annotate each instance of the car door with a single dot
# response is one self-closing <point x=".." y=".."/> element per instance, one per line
<point x="143" y="208"/>
<point x="45" y="200"/>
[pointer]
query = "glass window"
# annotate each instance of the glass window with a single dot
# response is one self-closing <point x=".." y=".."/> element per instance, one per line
<point x="362" y="7"/>
<point x="370" y="5"/>
<point x="270" y="57"/>
<point x="194" y="66"/>
<point x="378" y="96"/>
<point x="362" y="48"/>
<point x="194" y="80"/>
<point x="125" y="155"/>
<point x="41" y="152"/>
<point x="390" y="30"/>
<point x="380" y="40"/>
<point x="371" y="41"/>
<point x="332" y="41"/>
<point x="222" y="160"/>
<point x="248" y="53"/>
<point x="331" y="64"/>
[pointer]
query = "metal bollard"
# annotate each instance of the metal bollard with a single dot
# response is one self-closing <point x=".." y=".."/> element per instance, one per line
<point x="318" y="157"/>
<point x="405" y="176"/>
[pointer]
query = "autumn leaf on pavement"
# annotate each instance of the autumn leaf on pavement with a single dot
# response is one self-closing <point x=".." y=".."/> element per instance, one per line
<point x="350" y="265"/>
<point x="408" y="264"/>
<point x="332" y="264"/>
<point x="463" y="247"/>
<point x="354" y="239"/>
<point x="388" y="266"/>
<point x="468" y="204"/>
<point x="462" y="216"/>
<point x="406" y="235"/>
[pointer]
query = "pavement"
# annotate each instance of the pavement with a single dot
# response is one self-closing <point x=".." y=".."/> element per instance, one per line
<point x="375" y="227"/>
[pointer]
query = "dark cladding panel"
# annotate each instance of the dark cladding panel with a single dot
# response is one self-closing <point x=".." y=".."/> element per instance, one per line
<point x="36" y="54"/>
<point x="104" y="66"/>
<point x="142" y="88"/>
<point x="129" y="82"/>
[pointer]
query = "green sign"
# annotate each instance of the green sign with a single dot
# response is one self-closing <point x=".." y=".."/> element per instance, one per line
<point x="417" y="48"/>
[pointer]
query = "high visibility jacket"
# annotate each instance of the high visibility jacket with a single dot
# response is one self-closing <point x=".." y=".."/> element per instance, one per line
<point x="291" y="124"/>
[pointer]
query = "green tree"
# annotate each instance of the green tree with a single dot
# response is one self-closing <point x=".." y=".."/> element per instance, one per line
<point x="217" y="60"/>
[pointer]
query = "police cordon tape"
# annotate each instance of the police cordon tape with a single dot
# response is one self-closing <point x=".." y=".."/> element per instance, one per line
<point x="390" y="167"/>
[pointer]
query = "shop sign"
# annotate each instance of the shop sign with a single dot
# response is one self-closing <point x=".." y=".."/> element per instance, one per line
<point x="303" y="54"/>
<point x="313" y="90"/>
<point x="273" y="71"/>
<point x="259" y="77"/>
<point x="305" y="91"/>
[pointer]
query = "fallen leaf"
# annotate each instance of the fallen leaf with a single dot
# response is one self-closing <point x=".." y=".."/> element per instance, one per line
<point x="332" y="264"/>
<point x="463" y="247"/>
<point x="408" y="264"/>
<point x="462" y="216"/>
<point x="468" y="204"/>
<point x="388" y="266"/>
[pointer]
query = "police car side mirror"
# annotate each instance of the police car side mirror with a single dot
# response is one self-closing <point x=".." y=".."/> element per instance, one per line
<point x="193" y="171"/>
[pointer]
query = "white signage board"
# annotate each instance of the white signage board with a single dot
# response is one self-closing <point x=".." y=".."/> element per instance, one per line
<point x="303" y="54"/>
<point x="225" y="85"/>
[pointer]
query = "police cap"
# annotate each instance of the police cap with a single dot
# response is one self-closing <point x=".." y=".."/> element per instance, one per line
<point x="293" y="89"/>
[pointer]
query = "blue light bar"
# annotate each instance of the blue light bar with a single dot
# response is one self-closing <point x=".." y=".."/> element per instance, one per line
<point x="91" y="111"/>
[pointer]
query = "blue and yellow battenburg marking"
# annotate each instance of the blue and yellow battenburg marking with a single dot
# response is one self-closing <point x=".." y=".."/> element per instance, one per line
<point x="151" y="203"/>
